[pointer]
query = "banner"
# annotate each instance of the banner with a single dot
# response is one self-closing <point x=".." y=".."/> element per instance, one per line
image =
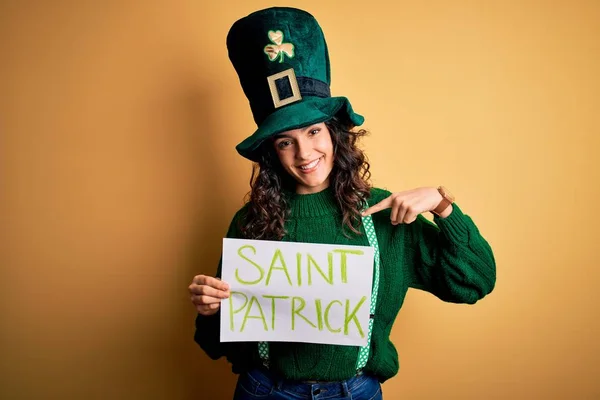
<point x="296" y="292"/>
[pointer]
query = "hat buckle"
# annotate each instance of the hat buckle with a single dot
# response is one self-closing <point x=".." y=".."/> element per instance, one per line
<point x="277" y="100"/>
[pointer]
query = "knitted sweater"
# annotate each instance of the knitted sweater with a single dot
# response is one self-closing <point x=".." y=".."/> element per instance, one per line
<point x="449" y="259"/>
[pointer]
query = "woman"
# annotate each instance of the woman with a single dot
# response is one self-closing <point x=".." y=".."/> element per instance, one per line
<point x="311" y="184"/>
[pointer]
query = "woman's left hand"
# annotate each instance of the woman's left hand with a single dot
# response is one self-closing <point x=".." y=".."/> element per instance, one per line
<point x="407" y="205"/>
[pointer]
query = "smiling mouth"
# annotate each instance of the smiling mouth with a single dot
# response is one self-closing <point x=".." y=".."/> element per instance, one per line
<point x="311" y="166"/>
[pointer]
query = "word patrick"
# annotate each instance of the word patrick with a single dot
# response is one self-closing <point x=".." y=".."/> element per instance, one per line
<point x="254" y="310"/>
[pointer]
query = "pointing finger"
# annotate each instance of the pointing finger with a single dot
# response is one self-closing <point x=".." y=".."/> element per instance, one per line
<point x="382" y="205"/>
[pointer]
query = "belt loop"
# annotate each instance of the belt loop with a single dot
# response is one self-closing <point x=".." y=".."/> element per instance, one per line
<point x="345" y="389"/>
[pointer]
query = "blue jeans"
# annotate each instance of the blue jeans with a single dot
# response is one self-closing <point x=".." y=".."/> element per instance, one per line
<point x="258" y="384"/>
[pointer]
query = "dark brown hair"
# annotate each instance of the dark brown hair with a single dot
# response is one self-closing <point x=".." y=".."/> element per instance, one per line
<point x="267" y="208"/>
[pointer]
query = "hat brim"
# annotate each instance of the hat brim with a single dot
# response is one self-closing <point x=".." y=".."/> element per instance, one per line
<point x="311" y="110"/>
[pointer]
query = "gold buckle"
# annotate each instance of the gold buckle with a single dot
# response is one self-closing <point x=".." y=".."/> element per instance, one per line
<point x="293" y="83"/>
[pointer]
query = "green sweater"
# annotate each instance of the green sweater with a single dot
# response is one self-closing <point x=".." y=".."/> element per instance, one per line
<point x="449" y="259"/>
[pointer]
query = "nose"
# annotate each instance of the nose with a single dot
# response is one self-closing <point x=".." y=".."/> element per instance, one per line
<point x="304" y="149"/>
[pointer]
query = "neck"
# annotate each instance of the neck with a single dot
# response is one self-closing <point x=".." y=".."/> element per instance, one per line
<point x="303" y="189"/>
<point x="313" y="204"/>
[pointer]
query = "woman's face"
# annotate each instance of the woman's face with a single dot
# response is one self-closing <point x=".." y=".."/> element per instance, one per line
<point x="307" y="155"/>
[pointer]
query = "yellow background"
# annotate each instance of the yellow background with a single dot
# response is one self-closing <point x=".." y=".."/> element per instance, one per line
<point x="118" y="175"/>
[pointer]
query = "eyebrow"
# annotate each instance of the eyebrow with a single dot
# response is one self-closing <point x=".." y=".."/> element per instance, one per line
<point x="309" y="127"/>
<point x="283" y="135"/>
<point x="280" y="136"/>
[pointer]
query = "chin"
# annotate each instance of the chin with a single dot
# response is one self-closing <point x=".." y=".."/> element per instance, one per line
<point x="313" y="185"/>
<point x="312" y="182"/>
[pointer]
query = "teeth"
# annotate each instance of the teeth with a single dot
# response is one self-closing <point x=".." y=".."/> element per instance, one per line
<point x="311" y="165"/>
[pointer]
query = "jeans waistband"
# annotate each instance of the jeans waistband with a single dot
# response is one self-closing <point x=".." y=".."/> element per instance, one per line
<point x="306" y="387"/>
<point x="312" y="382"/>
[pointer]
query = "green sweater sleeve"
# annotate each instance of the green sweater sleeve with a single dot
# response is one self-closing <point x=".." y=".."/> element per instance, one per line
<point x="450" y="258"/>
<point x="208" y="328"/>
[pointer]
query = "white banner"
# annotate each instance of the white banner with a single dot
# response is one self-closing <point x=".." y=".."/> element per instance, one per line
<point x="296" y="292"/>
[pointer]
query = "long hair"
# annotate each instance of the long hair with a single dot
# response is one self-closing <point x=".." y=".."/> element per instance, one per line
<point x="267" y="208"/>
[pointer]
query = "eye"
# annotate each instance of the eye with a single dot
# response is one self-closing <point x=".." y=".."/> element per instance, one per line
<point x="283" y="143"/>
<point x="314" y="131"/>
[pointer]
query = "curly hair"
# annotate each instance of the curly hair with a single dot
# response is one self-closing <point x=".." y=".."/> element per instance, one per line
<point x="267" y="207"/>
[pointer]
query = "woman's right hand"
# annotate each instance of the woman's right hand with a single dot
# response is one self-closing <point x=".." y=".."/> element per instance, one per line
<point x="207" y="293"/>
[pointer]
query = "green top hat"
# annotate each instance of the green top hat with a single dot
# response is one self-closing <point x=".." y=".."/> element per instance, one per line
<point x="281" y="58"/>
